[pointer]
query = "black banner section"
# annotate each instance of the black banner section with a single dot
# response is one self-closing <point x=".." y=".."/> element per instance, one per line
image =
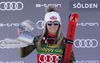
<point x="84" y="5"/>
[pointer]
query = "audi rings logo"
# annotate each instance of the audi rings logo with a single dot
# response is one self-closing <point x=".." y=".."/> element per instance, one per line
<point x="48" y="58"/>
<point x="85" y="43"/>
<point x="3" y="47"/>
<point x="1" y="41"/>
<point x="87" y="61"/>
<point x="12" y="62"/>
<point x="7" y="6"/>
<point x="41" y="24"/>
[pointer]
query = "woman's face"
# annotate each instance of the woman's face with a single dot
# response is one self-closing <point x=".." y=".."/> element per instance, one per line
<point x="52" y="27"/>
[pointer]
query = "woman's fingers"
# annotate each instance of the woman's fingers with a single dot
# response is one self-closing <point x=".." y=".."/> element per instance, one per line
<point x="19" y="31"/>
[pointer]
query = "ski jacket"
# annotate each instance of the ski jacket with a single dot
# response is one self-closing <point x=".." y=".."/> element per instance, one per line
<point x="48" y="53"/>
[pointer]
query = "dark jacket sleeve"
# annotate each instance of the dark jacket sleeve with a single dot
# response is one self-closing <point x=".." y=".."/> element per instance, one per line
<point x="25" y="51"/>
<point x="72" y="60"/>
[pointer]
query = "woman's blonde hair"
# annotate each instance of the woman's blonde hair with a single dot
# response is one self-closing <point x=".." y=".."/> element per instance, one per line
<point x="59" y="34"/>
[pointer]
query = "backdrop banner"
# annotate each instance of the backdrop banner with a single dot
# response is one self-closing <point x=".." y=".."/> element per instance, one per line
<point x="86" y="41"/>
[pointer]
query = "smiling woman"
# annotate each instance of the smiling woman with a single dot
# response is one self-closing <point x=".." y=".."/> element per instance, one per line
<point x="52" y="27"/>
<point x="50" y="44"/>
